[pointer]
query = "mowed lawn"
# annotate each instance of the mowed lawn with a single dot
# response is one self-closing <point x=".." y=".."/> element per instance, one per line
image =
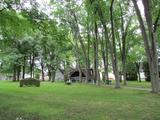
<point x="57" y="101"/>
<point x="136" y="84"/>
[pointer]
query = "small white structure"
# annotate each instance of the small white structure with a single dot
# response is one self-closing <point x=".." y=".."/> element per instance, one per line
<point x="111" y="76"/>
<point x="142" y="75"/>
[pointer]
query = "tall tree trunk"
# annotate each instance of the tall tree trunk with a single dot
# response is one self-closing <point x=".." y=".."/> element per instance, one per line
<point x="114" y="58"/>
<point x="107" y="43"/>
<point x="95" y="74"/>
<point x="79" y="37"/>
<point x="33" y="59"/>
<point x="30" y="61"/>
<point x="66" y="72"/>
<point x="96" y="63"/>
<point x="42" y="70"/>
<point x="88" y="52"/>
<point x="103" y="21"/>
<point x="104" y="48"/>
<point x="149" y="43"/>
<point x="154" y="59"/>
<point x="123" y="49"/>
<point x="78" y="67"/>
<point x="77" y="56"/>
<point x="24" y="67"/>
<point x="107" y="62"/>
<point x="49" y="73"/>
<point x="138" y="70"/>
<point x="18" y="72"/>
<point x="156" y="21"/>
<point x="53" y="75"/>
<point x="80" y="74"/>
<point x="103" y="58"/>
<point x="14" y="73"/>
<point x="123" y="54"/>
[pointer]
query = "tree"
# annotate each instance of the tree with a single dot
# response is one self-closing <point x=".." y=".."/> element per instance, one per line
<point x="114" y="54"/>
<point x="149" y="43"/>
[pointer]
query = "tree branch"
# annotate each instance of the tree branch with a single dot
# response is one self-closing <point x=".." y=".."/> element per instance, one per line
<point x="156" y="21"/>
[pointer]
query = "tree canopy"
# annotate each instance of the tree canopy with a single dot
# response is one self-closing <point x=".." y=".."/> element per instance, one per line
<point x="106" y="36"/>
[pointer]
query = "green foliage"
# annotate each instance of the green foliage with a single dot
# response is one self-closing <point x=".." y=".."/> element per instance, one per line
<point x="30" y="32"/>
<point x="50" y="36"/>
<point x="146" y="71"/>
<point x="131" y="71"/>
<point x="29" y="82"/>
<point x="13" y="25"/>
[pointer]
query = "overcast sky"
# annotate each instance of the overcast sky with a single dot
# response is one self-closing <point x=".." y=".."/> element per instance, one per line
<point x="48" y="9"/>
<point x="45" y="2"/>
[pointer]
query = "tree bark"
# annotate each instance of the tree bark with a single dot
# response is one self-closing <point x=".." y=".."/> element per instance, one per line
<point x="77" y="57"/>
<point x="114" y="57"/>
<point x="88" y="51"/>
<point x="96" y="62"/>
<point x="53" y="75"/>
<point x="42" y="70"/>
<point x="154" y="59"/>
<point x="30" y="61"/>
<point x="14" y="73"/>
<point x="138" y="68"/>
<point x="49" y="74"/>
<point x="24" y="67"/>
<point x="109" y="46"/>
<point x="78" y="36"/>
<point x="124" y="31"/>
<point x="33" y="59"/>
<point x="18" y="72"/>
<point x="149" y="43"/>
<point x="156" y="21"/>
<point x="104" y="50"/>
<point x="106" y="63"/>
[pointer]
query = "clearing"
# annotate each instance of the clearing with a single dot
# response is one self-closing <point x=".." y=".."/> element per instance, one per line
<point x="57" y="101"/>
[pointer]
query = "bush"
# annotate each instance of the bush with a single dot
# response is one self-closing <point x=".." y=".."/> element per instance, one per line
<point x="131" y="72"/>
<point x="29" y="82"/>
<point x="146" y="71"/>
<point x="37" y="75"/>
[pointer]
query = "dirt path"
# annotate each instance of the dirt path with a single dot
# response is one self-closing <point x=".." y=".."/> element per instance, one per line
<point x="132" y="88"/>
<point x="137" y="88"/>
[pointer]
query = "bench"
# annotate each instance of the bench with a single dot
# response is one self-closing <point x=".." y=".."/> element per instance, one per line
<point x="68" y="82"/>
<point x="29" y="82"/>
<point x="109" y="82"/>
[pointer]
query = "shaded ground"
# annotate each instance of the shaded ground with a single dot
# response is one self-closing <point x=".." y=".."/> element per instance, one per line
<point x="138" y="88"/>
<point x="57" y="101"/>
<point x="134" y="85"/>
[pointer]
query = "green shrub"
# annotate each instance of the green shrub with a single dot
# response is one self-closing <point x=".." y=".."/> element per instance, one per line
<point x="131" y="72"/>
<point x="29" y="82"/>
<point x="37" y="75"/>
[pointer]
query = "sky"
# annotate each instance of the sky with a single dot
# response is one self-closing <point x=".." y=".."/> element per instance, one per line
<point x="45" y="2"/>
<point x="45" y="6"/>
<point x="140" y="5"/>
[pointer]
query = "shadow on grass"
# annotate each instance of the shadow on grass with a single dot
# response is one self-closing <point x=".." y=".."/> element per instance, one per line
<point x="11" y="114"/>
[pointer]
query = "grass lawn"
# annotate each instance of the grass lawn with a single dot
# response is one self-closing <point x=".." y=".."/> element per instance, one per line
<point x="142" y="84"/>
<point x="57" y="101"/>
<point x="136" y="84"/>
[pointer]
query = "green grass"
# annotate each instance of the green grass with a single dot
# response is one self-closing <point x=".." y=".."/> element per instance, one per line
<point x="57" y="101"/>
<point x="142" y="84"/>
<point x="136" y="84"/>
